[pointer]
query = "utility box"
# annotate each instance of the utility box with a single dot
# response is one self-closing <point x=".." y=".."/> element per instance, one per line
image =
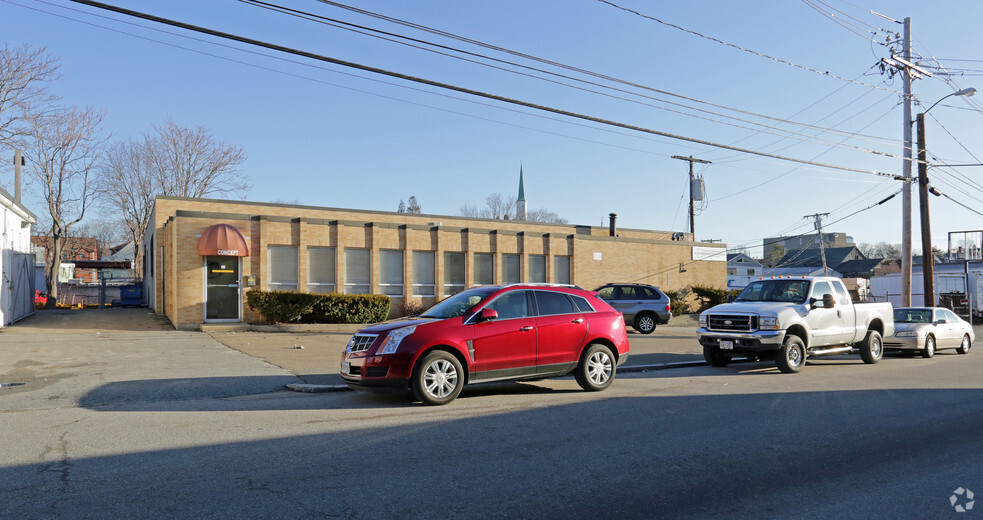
<point x="131" y="295"/>
<point x="697" y="189"/>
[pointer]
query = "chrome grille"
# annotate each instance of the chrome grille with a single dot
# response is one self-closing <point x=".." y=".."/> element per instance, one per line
<point x="732" y="322"/>
<point x="361" y="342"/>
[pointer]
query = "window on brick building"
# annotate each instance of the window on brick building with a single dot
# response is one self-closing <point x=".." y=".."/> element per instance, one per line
<point x="510" y="269"/>
<point x="391" y="272"/>
<point x="453" y="273"/>
<point x="424" y="277"/>
<point x="283" y="271"/>
<point x="484" y="269"/>
<point x="537" y="268"/>
<point x="320" y="269"/>
<point x="358" y="271"/>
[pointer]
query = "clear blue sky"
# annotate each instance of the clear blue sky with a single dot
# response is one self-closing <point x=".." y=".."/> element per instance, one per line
<point x="326" y="135"/>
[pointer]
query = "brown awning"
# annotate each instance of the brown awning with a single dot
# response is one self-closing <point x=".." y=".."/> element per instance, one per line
<point x="222" y="240"/>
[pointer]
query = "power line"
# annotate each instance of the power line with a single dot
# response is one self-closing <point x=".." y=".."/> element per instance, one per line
<point x="875" y="28"/>
<point x="734" y="194"/>
<point x="738" y="47"/>
<point x="336" y="85"/>
<point x="961" y="204"/>
<point x="848" y="25"/>
<point x="744" y="246"/>
<point x="447" y="86"/>
<point x="385" y="35"/>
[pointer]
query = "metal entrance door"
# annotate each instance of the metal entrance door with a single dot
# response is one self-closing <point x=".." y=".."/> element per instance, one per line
<point x="22" y="270"/>
<point x="222" y="299"/>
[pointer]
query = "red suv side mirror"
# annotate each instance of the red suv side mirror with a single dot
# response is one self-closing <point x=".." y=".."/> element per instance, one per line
<point x="487" y="315"/>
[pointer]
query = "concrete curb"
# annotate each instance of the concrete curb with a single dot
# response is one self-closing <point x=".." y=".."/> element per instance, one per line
<point x="320" y="389"/>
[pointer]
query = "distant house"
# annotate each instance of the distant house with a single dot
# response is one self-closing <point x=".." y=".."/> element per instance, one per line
<point x="124" y="253"/>
<point x="16" y="260"/>
<point x="860" y="268"/>
<point x="800" y="271"/>
<point x="73" y="248"/>
<point x="741" y="269"/>
<point x="805" y="242"/>
<point x="813" y="257"/>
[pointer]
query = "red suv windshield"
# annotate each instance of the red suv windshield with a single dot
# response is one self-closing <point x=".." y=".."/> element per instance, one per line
<point x="459" y="304"/>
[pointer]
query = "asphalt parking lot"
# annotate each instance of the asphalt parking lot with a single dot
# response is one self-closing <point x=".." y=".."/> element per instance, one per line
<point x="315" y="355"/>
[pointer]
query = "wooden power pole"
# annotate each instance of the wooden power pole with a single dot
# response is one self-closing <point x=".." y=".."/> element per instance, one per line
<point x="691" y="160"/>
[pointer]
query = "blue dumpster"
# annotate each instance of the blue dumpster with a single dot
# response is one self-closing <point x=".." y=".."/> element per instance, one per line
<point x="131" y="295"/>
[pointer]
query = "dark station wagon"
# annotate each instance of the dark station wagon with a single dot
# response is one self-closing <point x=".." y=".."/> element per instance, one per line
<point x="491" y="333"/>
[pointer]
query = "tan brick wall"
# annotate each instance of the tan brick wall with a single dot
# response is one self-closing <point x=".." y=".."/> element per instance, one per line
<point x="634" y="256"/>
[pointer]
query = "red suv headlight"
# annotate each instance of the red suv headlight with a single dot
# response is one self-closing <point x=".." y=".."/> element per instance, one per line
<point x="391" y="343"/>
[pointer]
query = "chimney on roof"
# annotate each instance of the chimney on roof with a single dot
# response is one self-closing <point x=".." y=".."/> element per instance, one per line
<point x="612" y="228"/>
<point x="18" y="162"/>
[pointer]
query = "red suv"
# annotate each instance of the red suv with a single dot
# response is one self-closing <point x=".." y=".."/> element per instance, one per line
<point x="490" y="333"/>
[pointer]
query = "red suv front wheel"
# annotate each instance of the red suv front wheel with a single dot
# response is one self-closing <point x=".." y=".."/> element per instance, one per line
<point x="437" y="378"/>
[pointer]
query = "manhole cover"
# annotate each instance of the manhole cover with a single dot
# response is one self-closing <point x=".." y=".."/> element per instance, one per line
<point x="8" y="385"/>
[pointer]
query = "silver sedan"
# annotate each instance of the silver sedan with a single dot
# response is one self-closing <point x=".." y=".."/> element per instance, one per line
<point x="929" y="329"/>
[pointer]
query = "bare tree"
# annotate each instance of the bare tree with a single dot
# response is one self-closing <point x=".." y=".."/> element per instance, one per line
<point x="191" y="163"/>
<point x="543" y="215"/>
<point x="63" y="148"/>
<point x="108" y="233"/>
<point x="503" y="207"/>
<point x="173" y="161"/>
<point x="881" y="250"/>
<point x="24" y="76"/>
<point x="497" y="206"/>
<point x="128" y="186"/>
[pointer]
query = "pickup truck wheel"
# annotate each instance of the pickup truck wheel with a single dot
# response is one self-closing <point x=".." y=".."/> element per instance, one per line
<point x="715" y="357"/>
<point x="644" y="323"/>
<point x="965" y="345"/>
<point x="871" y="349"/>
<point x="929" y="349"/>
<point x="596" y="369"/>
<point x="792" y="356"/>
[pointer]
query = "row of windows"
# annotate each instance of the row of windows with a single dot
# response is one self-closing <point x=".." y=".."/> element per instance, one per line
<point x="284" y="270"/>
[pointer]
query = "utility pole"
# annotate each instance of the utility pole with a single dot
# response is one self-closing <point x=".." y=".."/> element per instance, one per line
<point x="906" y="172"/>
<point x="909" y="71"/>
<point x="692" y="219"/>
<point x="822" y="245"/>
<point x="928" y="258"/>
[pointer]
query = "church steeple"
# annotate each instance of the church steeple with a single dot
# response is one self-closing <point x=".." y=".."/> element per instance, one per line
<point x="520" y="203"/>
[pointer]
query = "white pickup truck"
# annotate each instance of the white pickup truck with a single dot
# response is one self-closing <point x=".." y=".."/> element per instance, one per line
<point x="792" y="318"/>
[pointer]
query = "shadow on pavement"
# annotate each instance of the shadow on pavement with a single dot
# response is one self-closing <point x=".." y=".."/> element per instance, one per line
<point x="69" y="321"/>
<point x="143" y="394"/>
<point x="671" y="457"/>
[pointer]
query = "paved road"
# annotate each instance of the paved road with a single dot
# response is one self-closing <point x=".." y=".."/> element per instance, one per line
<point x="159" y="424"/>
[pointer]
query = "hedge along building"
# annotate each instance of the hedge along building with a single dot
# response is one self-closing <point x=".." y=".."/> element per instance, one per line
<point x="202" y="256"/>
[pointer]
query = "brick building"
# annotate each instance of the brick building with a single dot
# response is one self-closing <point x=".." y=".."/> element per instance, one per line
<point x="73" y="248"/>
<point x="203" y="255"/>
